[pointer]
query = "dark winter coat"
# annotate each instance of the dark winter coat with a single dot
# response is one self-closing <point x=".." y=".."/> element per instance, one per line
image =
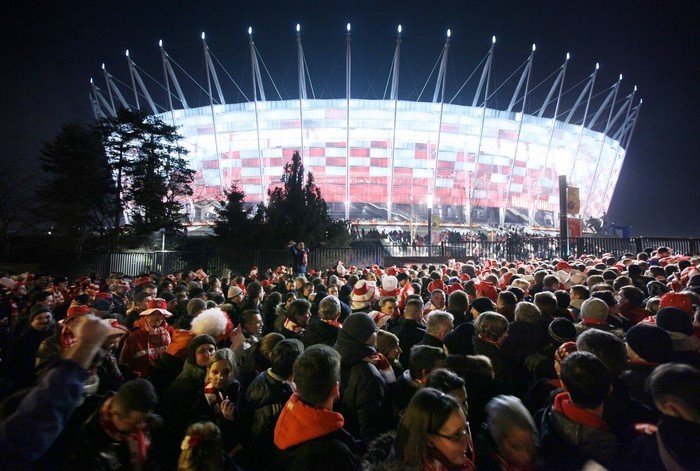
<point x="265" y="397"/>
<point x="410" y="333"/>
<point x="319" y="332"/>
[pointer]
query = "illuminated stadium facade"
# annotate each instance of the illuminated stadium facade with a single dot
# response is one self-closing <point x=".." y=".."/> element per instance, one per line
<point x="392" y="159"/>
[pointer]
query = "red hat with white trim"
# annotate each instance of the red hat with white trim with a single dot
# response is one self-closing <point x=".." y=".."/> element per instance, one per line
<point x="157" y="305"/>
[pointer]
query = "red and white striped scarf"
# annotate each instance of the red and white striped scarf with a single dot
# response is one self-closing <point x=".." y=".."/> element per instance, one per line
<point x="214" y="397"/>
<point x="294" y="327"/>
<point x="137" y="440"/>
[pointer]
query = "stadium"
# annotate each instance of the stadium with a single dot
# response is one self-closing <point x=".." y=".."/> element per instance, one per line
<point x="396" y="160"/>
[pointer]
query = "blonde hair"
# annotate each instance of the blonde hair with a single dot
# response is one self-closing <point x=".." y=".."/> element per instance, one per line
<point x="223" y="354"/>
<point x="201" y="448"/>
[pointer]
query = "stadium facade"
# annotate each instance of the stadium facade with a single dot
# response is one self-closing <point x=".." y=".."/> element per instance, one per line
<point x="392" y="159"/>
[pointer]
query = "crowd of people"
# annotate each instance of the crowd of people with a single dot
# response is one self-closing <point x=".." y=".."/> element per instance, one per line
<point x="510" y="365"/>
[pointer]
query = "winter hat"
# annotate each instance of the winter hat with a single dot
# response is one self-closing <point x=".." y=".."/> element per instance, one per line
<point x="157" y="305"/>
<point x="195" y="306"/>
<point x="212" y="322"/>
<point x="564" y="351"/>
<point x="650" y="342"/>
<point x="673" y="319"/>
<point x="362" y="294"/>
<point x="36" y="310"/>
<point x="234" y="291"/>
<point x="379" y="318"/>
<point x="195" y="343"/>
<point x="386" y="341"/>
<point x="482" y="305"/>
<point x="390" y="286"/>
<point x="77" y="310"/>
<point x="402" y="276"/>
<point x="594" y="309"/>
<point x="656" y="288"/>
<point x="678" y="300"/>
<point x="101" y="305"/>
<point x="360" y="326"/>
<point x="562" y="330"/>
<point x="104" y="295"/>
<point x="563" y="265"/>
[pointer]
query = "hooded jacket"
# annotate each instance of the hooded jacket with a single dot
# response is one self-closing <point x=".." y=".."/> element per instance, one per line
<point x="314" y="439"/>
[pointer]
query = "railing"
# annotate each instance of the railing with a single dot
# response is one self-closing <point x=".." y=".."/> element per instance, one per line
<point x="242" y="261"/>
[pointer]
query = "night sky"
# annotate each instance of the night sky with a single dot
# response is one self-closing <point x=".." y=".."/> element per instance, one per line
<point x="50" y="50"/>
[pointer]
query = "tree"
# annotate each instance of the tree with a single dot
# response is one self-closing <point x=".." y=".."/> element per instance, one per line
<point x="79" y="193"/>
<point x="297" y="211"/>
<point x="233" y="223"/>
<point x="152" y="174"/>
<point x="15" y="208"/>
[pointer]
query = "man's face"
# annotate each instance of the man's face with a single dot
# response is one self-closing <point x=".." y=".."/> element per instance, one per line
<point x="238" y="299"/>
<point x="303" y="319"/>
<point x="48" y="302"/>
<point x="255" y="326"/>
<point x="438" y="300"/>
<point x="155" y="319"/>
<point x="42" y="322"/>
<point x="126" y="421"/>
<point x="300" y="246"/>
<point x="389" y="308"/>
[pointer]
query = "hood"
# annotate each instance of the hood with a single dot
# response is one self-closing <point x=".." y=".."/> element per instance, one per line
<point x="179" y="346"/>
<point x="300" y="422"/>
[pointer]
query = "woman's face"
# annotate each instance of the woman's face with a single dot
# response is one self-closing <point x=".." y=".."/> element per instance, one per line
<point x="452" y="440"/>
<point x="517" y="446"/>
<point x="203" y="354"/>
<point x="220" y="374"/>
<point x="394" y="353"/>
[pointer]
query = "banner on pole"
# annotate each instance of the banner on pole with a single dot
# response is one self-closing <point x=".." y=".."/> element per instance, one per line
<point x="575" y="227"/>
<point x="573" y="203"/>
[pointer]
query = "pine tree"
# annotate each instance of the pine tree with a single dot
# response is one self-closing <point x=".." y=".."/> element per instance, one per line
<point x="233" y="223"/>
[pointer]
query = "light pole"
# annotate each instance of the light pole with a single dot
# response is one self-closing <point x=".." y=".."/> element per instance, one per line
<point x="430" y="220"/>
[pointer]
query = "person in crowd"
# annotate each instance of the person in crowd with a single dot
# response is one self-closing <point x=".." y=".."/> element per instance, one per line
<point x="505" y="305"/>
<point x="298" y="316"/>
<point x="389" y="345"/>
<point x="491" y="331"/>
<point x="433" y="435"/>
<point x="573" y="430"/>
<point x="437" y="301"/>
<point x="266" y="396"/>
<point x="363" y="387"/>
<point x="139" y="304"/>
<point x="244" y="341"/>
<point x="594" y="315"/>
<point x="148" y="340"/>
<point x="648" y="346"/>
<point x="324" y="328"/>
<point x="457" y="304"/>
<point x="20" y="359"/>
<point x="201" y="449"/>
<point x="479" y="306"/>
<point x="510" y="439"/>
<point x="424" y="359"/>
<point x="309" y="433"/>
<point x="409" y="329"/>
<point x="438" y="325"/>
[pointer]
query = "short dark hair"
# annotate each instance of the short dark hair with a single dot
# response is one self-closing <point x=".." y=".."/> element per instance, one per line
<point x="298" y="308"/>
<point x="586" y="378"/>
<point x="676" y="381"/>
<point x="247" y="316"/>
<point x="254" y="289"/>
<point x="316" y="371"/>
<point x="137" y="395"/>
<point x="607" y="296"/>
<point x="458" y="301"/>
<point x="608" y="347"/>
<point x="633" y="294"/>
<point x="444" y="380"/>
<point x="508" y="297"/>
<point x="424" y="357"/>
<point x="283" y="356"/>
<point x="581" y="291"/>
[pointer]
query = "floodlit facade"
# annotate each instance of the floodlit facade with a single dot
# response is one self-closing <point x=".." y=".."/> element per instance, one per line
<point x="392" y="159"/>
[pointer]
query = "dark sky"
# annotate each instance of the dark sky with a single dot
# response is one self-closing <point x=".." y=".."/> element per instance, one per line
<point x="51" y="49"/>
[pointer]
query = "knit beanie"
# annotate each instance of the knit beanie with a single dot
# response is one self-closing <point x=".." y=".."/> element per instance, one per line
<point x="359" y="326"/>
<point x="562" y="330"/>
<point x="594" y="309"/>
<point x="673" y="319"/>
<point x="36" y="310"/>
<point x="386" y="341"/>
<point x="650" y="342"/>
<point x="196" y="342"/>
<point x="482" y="305"/>
<point x="678" y="300"/>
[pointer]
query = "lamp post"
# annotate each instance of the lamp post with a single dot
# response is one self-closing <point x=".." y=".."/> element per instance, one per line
<point x="430" y="221"/>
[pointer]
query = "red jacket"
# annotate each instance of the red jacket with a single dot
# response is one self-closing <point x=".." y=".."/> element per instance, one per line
<point x="144" y="347"/>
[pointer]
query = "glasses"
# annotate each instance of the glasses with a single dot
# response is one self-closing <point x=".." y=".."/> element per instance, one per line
<point x="458" y="437"/>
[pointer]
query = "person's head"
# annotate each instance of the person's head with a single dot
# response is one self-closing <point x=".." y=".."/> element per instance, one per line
<point x="458" y="301"/>
<point x="329" y="308"/>
<point x="527" y="312"/>
<point x="580" y="292"/>
<point x="317" y="375"/>
<point x="450" y="383"/>
<point x="506" y="302"/>
<point x="649" y="343"/>
<point x="252" y="321"/>
<point x="675" y="388"/>
<point x="387" y="305"/>
<point x="437" y="298"/>
<point x="608" y="347"/>
<point x="201" y="349"/>
<point x="195" y="306"/>
<point x="586" y="378"/>
<point x="413" y="310"/>
<point x="546" y="301"/>
<point x="254" y="290"/>
<point x="512" y="429"/>
<point x="388" y="345"/>
<point x="491" y="326"/>
<point x="550" y="282"/>
<point x="480" y="305"/>
<point x="608" y="297"/>
<point x="439" y="323"/>
<point x="283" y="356"/>
<point x="433" y="424"/>
<point x="221" y="369"/>
<point x="201" y="448"/>
<point x="299" y="312"/>
<point x="269" y="342"/>
<point x="132" y="404"/>
<point x="141" y="299"/>
<point x="425" y="359"/>
<point x="40" y="318"/>
<point x="360" y="327"/>
<point x="594" y="309"/>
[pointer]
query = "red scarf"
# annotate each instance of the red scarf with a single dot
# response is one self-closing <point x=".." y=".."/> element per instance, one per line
<point x="296" y="328"/>
<point x="594" y="322"/>
<point x="563" y="405"/>
<point x="157" y="342"/>
<point x="304" y="257"/>
<point x="333" y="322"/>
<point x="137" y="440"/>
<point x="214" y="397"/>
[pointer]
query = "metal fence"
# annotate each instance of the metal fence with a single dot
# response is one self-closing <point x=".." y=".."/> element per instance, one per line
<point x="241" y="261"/>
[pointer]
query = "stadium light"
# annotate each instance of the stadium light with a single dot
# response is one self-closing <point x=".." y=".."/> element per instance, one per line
<point x="103" y="66"/>
<point x="250" y="30"/>
<point x="203" y="36"/>
<point x="635" y="88"/>
<point x="160" y="43"/>
<point x="568" y="56"/>
<point x="127" y="53"/>
<point x="348" y="27"/>
<point x="493" y="40"/>
<point x="298" y="27"/>
<point x="449" y="33"/>
<point x="91" y="80"/>
<point x="534" y="47"/>
<point x="399" y="29"/>
<point x="620" y="76"/>
<point x="597" y="66"/>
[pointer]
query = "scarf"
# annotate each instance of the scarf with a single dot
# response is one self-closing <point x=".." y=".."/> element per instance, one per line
<point x="157" y="342"/>
<point x="304" y="258"/>
<point x="333" y="322"/>
<point x="137" y="440"/>
<point x="296" y="328"/>
<point x="214" y="397"/>
<point x="563" y="405"/>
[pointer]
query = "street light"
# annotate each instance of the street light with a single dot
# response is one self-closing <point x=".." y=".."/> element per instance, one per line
<point x="430" y="218"/>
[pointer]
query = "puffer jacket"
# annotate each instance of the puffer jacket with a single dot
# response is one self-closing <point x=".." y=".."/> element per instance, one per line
<point x="362" y="390"/>
<point x="266" y="397"/>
